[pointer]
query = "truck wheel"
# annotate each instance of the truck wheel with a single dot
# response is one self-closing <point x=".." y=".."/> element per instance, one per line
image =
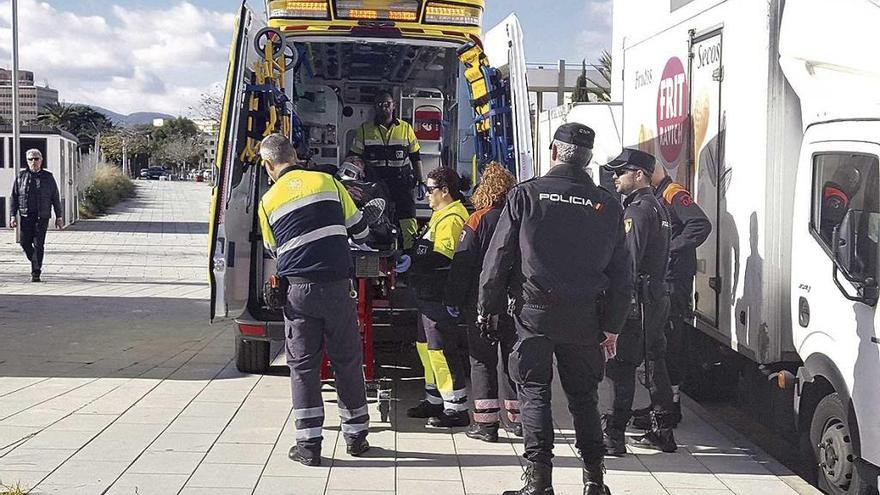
<point x="833" y="449"/>
<point x="251" y="356"/>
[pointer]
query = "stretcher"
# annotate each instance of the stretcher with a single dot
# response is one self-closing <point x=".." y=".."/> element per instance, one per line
<point x="490" y="99"/>
<point x="375" y="278"/>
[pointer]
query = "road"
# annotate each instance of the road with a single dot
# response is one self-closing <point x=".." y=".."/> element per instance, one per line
<point x="113" y="381"/>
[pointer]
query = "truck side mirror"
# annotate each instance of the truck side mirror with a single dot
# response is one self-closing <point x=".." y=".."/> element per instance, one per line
<point x="854" y="244"/>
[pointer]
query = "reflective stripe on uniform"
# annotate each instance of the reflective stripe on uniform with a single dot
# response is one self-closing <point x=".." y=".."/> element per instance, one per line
<point x="308" y="413"/>
<point x="490" y="417"/>
<point x="382" y="146"/>
<point x="311" y="237"/>
<point x="347" y="414"/>
<point x="308" y="433"/>
<point x="301" y="202"/>
<point x="352" y="429"/>
<point x="486" y="404"/>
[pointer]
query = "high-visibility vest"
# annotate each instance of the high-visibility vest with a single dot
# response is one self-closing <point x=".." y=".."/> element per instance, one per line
<point x="306" y="218"/>
<point x="382" y="146"/>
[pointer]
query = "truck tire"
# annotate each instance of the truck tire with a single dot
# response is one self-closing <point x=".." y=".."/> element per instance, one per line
<point x="833" y="450"/>
<point x="252" y="356"/>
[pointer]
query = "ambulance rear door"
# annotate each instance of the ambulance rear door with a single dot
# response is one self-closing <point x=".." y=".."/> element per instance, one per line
<point x="233" y="227"/>
<point x="504" y="48"/>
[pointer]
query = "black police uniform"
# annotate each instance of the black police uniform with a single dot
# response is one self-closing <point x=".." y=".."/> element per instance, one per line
<point x="558" y="250"/>
<point x="647" y="228"/>
<point x="690" y="228"/>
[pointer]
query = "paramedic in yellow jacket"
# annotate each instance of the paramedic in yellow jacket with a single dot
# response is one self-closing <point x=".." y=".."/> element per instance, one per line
<point x="390" y="150"/>
<point x="445" y="402"/>
<point x="306" y="218"/>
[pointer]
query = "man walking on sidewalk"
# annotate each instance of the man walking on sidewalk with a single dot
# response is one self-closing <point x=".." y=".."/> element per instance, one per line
<point x="306" y="218"/>
<point x="34" y="196"/>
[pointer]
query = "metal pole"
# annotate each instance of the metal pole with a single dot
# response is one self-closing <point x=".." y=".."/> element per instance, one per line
<point x="16" y="119"/>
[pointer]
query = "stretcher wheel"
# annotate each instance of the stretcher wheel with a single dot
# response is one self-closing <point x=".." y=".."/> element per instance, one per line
<point x="280" y="47"/>
<point x="384" y="396"/>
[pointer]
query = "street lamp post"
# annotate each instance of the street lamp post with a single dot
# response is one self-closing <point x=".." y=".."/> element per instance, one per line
<point x="16" y="119"/>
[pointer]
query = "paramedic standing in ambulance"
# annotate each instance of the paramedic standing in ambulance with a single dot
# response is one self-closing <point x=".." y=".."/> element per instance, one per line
<point x="389" y="147"/>
<point x="306" y="218"/>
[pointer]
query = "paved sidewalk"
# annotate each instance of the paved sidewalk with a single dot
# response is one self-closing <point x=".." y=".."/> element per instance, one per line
<point x="113" y="382"/>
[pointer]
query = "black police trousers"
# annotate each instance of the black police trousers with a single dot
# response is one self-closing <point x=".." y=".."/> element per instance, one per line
<point x="580" y="371"/>
<point x="633" y="347"/>
<point x="485" y="379"/>
<point x="680" y="311"/>
<point x="33" y="241"/>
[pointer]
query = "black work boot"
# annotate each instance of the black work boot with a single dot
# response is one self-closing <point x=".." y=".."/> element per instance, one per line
<point x="304" y="456"/>
<point x="642" y="418"/>
<point x="357" y="447"/>
<point x="487" y="432"/>
<point x="538" y="478"/>
<point x="613" y="436"/>
<point x="450" y="419"/>
<point x="424" y="410"/>
<point x="594" y="478"/>
<point x="514" y="429"/>
<point x="35" y="276"/>
<point x="660" y="436"/>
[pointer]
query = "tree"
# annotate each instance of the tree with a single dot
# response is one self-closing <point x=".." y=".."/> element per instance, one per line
<point x="82" y="121"/>
<point x="182" y="151"/>
<point x="210" y="105"/>
<point x="181" y="127"/>
<point x="581" y="91"/>
<point x="602" y="89"/>
<point x="133" y="142"/>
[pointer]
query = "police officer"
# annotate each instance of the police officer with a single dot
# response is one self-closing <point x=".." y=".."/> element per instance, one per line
<point x="647" y="238"/>
<point x="558" y="251"/>
<point x="690" y="228"/>
<point x="390" y="150"/>
<point x="306" y="218"/>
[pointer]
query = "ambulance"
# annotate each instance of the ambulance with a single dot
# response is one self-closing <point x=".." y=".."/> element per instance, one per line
<point x="327" y="60"/>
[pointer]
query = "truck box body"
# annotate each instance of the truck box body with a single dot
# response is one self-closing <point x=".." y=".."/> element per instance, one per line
<point x="703" y="92"/>
<point x="769" y="112"/>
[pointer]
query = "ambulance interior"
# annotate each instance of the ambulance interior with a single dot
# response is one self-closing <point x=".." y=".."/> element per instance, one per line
<point x="338" y="81"/>
<point x="333" y="92"/>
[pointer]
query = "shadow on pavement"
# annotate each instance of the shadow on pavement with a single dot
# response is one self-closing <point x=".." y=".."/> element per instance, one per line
<point x="140" y="227"/>
<point x="120" y="337"/>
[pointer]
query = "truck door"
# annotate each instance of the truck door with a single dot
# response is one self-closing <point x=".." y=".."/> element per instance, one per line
<point x="505" y="50"/>
<point x="708" y="175"/>
<point x="232" y="219"/>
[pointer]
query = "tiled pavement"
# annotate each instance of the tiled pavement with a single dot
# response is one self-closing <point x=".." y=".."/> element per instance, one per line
<point x="111" y="381"/>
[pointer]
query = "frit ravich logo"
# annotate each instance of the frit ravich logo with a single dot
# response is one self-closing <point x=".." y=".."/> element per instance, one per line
<point x="672" y="111"/>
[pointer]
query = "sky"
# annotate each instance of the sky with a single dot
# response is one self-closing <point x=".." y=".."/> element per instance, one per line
<point x="161" y="55"/>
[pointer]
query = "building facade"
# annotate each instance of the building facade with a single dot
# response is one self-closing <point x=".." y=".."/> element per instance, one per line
<point x="32" y="98"/>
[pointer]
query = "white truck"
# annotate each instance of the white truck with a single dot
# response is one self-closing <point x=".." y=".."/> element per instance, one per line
<point x="768" y="111"/>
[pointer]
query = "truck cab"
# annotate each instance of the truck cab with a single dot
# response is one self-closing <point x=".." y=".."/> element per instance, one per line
<point x="337" y="56"/>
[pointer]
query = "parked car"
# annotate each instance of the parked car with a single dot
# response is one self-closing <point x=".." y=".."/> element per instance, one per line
<point x="153" y="173"/>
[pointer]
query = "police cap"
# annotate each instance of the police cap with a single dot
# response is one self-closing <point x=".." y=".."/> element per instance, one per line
<point x="576" y="134"/>
<point x="631" y="158"/>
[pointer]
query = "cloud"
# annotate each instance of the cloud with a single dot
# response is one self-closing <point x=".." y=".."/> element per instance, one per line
<point x="596" y="37"/>
<point x="125" y="59"/>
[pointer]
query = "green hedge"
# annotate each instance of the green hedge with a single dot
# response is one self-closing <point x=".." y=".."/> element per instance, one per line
<point x="109" y="188"/>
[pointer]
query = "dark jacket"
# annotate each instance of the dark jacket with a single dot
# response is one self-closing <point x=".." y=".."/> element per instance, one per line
<point x="690" y="228"/>
<point x="647" y="236"/>
<point x="42" y="184"/>
<point x="464" y="274"/>
<point x="558" y="249"/>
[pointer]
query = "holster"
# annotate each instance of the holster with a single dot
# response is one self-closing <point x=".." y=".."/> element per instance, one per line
<point x="275" y="292"/>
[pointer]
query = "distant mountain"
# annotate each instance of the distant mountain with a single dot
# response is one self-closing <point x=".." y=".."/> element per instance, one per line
<point x="136" y="118"/>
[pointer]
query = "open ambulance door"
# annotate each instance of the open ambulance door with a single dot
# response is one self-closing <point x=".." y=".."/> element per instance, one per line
<point x="232" y="215"/>
<point x="504" y="47"/>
